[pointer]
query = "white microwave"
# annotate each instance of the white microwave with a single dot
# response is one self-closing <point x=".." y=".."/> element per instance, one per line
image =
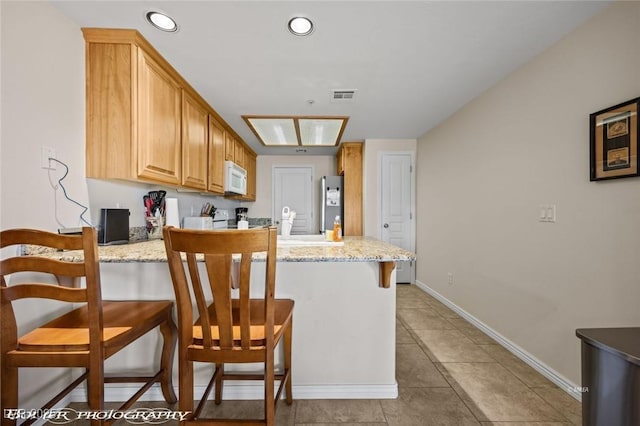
<point x="235" y="178"/>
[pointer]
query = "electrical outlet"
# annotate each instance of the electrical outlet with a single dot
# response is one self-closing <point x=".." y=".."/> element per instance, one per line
<point x="450" y="278"/>
<point x="46" y="153"/>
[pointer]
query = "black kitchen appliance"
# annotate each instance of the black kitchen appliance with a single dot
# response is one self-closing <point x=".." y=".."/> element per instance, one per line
<point x="242" y="213"/>
<point x="332" y="193"/>
<point x="114" y="227"/>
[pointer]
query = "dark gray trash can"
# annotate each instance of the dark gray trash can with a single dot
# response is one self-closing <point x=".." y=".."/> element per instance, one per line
<point x="610" y="376"/>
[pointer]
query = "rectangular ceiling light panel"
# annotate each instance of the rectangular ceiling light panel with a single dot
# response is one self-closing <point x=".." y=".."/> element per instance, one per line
<point x="320" y="132"/>
<point x="274" y="131"/>
<point x="297" y="130"/>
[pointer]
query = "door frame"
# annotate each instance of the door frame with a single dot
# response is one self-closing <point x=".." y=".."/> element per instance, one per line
<point x="277" y="216"/>
<point x="412" y="225"/>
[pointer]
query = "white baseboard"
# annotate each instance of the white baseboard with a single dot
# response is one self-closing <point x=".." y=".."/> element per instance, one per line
<point x="233" y="391"/>
<point x="346" y="391"/>
<point x="548" y="372"/>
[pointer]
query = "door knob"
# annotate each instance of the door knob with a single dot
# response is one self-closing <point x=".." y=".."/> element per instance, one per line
<point x="386" y="225"/>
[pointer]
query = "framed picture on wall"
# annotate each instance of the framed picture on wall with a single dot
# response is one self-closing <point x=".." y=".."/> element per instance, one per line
<point x="614" y="141"/>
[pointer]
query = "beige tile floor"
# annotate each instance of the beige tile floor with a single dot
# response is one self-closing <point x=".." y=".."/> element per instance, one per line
<point x="448" y="373"/>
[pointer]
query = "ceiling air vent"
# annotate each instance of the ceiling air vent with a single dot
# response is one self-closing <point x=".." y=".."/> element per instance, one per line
<point x="342" y="95"/>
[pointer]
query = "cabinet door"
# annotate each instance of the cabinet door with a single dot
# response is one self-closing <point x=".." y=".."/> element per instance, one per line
<point x="350" y="166"/>
<point x="195" y="129"/>
<point x="158" y="139"/>
<point x="250" y="164"/>
<point x="110" y="140"/>
<point x="340" y="161"/>
<point x="229" y="147"/>
<point x="216" y="156"/>
<point x="238" y="156"/>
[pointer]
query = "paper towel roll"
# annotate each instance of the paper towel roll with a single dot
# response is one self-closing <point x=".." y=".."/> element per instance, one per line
<point x="173" y="217"/>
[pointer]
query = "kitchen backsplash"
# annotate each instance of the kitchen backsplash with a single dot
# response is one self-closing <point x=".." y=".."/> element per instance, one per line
<point x="128" y="195"/>
<point x="139" y="233"/>
<point x="254" y="221"/>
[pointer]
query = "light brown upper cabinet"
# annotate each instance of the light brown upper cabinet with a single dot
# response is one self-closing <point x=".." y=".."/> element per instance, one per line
<point x="195" y="141"/>
<point x="133" y="110"/>
<point x="216" y="156"/>
<point x="229" y="147"/>
<point x="145" y="122"/>
<point x="238" y="156"/>
<point x="349" y="165"/>
<point x="158" y="122"/>
<point x="250" y="165"/>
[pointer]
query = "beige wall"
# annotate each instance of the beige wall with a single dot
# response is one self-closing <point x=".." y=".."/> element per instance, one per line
<point x="323" y="165"/>
<point x="42" y="104"/>
<point x="484" y="172"/>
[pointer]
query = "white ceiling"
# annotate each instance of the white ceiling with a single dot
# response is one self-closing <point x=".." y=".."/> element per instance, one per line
<point x="413" y="63"/>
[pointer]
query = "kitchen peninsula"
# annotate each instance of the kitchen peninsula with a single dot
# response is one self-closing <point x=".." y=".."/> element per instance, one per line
<point x="344" y="326"/>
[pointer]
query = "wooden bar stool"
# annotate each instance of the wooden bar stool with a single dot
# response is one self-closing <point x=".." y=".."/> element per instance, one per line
<point x="228" y="330"/>
<point x="83" y="337"/>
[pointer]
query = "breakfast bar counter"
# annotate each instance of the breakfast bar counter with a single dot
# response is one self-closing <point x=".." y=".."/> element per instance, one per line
<point x="354" y="249"/>
<point x="344" y="317"/>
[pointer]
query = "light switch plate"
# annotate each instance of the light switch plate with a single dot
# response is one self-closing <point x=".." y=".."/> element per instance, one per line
<point x="547" y="213"/>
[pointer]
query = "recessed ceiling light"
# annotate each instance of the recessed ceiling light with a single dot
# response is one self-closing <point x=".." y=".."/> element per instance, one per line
<point x="300" y="26"/>
<point x="162" y="21"/>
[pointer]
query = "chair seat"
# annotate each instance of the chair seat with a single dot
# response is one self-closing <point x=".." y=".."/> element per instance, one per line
<point x="70" y="332"/>
<point x="283" y="314"/>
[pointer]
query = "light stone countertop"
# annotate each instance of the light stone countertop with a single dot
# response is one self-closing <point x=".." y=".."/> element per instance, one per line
<point x="355" y="249"/>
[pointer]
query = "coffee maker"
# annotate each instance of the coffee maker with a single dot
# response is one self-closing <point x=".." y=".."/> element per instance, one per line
<point x="242" y="213"/>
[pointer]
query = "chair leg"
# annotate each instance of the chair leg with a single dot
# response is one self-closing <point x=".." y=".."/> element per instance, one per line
<point x="288" y="334"/>
<point x="269" y="399"/>
<point x="170" y="338"/>
<point x="95" y="385"/>
<point x="219" y="383"/>
<point x="9" y="393"/>
<point x="185" y="381"/>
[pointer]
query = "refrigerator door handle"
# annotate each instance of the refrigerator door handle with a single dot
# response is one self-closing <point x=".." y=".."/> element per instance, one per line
<point x="324" y="203"/>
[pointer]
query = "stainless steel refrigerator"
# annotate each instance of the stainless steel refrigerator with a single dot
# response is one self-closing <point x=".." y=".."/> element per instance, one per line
<point x="332" y="201"/>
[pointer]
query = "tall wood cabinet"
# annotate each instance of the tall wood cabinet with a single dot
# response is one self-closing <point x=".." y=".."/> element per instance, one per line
<point x="145" y="122"/>
<point x="349" y="165"/>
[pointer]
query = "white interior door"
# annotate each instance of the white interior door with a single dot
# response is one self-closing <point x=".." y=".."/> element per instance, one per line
<point x="397" y="206"/>
<point x="293" y="187"/>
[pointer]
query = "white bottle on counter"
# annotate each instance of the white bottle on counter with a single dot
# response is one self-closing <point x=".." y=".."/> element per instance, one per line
<point x="172" y="214"/>
<point x="285" y="224"/>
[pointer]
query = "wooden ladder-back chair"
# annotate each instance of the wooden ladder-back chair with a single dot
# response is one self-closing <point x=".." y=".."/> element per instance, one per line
<point x="228" y="329"/>
<point x="83" y="337"/>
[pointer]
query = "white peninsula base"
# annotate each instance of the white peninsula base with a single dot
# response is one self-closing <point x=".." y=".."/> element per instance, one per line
<point x="343" y="328"/>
